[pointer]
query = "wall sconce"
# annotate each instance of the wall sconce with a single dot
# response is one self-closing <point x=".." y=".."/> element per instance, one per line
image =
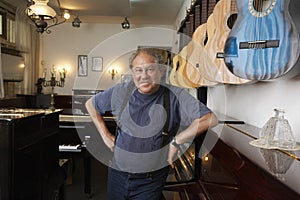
<point x="76" y="22"/>
<point x="112" y="72"/>
<point x="41" y="14"/>
<point x="125" y="24"/>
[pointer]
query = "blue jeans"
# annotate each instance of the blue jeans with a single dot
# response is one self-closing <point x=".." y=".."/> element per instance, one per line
<point x="142" y="186"/>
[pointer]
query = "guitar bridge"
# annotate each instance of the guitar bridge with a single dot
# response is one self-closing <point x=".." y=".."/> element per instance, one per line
<point x="262" y="44"/>
<point x="220" y="55"/>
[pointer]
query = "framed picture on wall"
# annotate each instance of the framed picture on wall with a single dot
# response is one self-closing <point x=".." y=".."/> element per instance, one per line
<point x="82" y="65"/>
<point x="97" y="64"/>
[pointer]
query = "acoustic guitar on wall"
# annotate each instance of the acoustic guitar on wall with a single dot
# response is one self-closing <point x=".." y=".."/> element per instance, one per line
<point x="193" y="71"/>
<point x="264" y="42"/>
<point x="180" y="79"/>
<point x="224" y="15"/>
<point x="195" y="59"/>
<point x="179" y="62"/>
<point x="201" y="37"/>
<point x="173" y="73"/>
<point x="208" y="69"/>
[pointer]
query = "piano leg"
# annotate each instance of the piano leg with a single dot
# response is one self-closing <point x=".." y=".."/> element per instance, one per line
<point x="61" y="195"/>
<point x="87" y="175"/>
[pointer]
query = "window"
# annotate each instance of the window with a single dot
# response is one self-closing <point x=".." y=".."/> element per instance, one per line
<point x="7" y="24"/>
<point x="10" y="28"/>
<point x="2" y="24"/>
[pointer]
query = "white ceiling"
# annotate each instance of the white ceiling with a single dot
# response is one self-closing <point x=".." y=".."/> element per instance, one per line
<point x="160" y="12"/>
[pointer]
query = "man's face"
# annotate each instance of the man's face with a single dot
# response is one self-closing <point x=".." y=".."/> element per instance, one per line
<point x="146" y="74"/>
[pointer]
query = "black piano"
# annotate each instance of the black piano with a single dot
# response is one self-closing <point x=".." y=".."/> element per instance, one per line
<point x="29" y="166"/>
<point x="78" y="135"/>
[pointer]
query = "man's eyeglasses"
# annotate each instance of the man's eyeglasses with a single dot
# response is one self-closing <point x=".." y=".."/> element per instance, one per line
<point x="140" y="70"/>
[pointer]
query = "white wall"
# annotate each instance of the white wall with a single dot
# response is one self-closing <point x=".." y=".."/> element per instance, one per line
<point x="65" y="43"/>
<point x="108" y="41"/>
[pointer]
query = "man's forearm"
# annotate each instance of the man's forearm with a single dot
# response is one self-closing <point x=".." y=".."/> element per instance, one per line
<point x="197" y="127"/>
<point x="97" y="119"/>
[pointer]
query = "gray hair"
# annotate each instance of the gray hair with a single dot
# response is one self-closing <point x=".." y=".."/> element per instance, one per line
<point x="156" y="53"/>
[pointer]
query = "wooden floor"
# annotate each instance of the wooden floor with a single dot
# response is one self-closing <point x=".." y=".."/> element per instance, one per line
<point x="74" y="185"/>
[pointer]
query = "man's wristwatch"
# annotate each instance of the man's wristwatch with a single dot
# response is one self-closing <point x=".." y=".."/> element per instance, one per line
<point x="174" y="143"/>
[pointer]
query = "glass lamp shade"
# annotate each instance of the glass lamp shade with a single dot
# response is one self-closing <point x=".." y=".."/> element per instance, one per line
<point x="40" y="8"/>
<point x="66" y="14"/>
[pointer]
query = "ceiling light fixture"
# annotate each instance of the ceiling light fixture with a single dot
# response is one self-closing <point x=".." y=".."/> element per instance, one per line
<point x="125" y="24"/>
<point x="41" y="14"/>
<point x="76" y="22"/>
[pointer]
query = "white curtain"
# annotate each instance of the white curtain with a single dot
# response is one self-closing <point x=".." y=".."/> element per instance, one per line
<point x="28" y="40"/>
<point x="1" y="79"/>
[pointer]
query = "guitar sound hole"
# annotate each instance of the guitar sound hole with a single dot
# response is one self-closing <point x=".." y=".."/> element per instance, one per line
<point x="260" y="5"/>
<point x="231" y="20"/>
<point x="177" y="65"/>
<point x="205" y="39"/>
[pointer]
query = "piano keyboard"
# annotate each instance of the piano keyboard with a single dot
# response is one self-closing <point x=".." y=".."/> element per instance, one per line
<point x="70" y="148"/>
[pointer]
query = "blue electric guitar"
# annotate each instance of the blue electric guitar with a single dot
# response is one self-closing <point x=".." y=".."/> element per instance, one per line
<point x="263" y="43"/>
